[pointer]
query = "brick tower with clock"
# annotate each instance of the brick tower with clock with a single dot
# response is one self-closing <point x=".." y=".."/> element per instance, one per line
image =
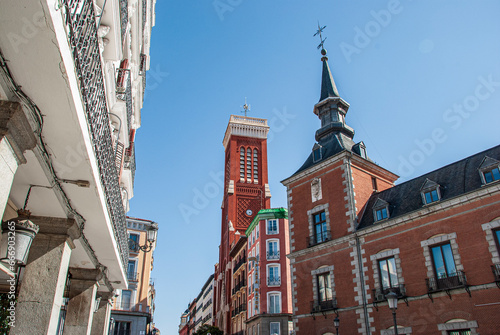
<point x="246" y="191"/>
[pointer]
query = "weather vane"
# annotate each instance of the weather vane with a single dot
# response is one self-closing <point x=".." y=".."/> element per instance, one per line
<point x="246" y="107"/>
<point x="320" y="30"/>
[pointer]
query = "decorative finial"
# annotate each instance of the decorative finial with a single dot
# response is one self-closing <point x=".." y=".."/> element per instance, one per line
<point x="246" y="107"/>
<point x="322" y="41"/>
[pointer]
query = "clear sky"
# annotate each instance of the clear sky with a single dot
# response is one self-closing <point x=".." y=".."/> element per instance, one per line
<point x="422" y="79"/>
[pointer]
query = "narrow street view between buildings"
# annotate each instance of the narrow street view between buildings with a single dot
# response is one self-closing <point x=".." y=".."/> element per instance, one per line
<point x="371" y="210"/>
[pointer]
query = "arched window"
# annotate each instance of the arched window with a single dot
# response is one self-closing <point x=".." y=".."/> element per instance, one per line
<point x="255" y="166"/>
<point x="249" y="164"/>
<point x="242" y="163"/>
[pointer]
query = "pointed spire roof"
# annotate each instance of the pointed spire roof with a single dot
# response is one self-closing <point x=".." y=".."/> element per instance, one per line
<point x="328" y="87"/>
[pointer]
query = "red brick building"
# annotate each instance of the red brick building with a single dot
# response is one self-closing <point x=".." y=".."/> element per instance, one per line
<point x="246" y="192"/>
<point x="269" y="282"/>
<point x="356" y="236"/>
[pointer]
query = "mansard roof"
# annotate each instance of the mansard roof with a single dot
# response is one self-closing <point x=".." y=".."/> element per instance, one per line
<point x="454" y="180"/>
<point x="331" y="145"/>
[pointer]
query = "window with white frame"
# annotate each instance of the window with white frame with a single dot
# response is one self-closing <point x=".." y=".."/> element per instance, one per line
<point x="272" y="227"/>
<point x="387" y="274"/>
<point x="458" y="327"/>
<point x="257" y="251"/>
<point x="273" y="251"/>
<point x="489" y="170"/>
<point x="380" y="210"/>
<point x="131" y="270"/>
<point x="274" y="303"/>
<point x="274" y="328"/>
<point x="430" y="192"/>
<point x="133" y="243"/>
<point x="445" y="270"/>
<point x="273" y="275"/>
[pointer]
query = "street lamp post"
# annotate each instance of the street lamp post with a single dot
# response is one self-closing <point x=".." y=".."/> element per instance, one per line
<point x="392" y="300"/>
<point x="336" y="323"/>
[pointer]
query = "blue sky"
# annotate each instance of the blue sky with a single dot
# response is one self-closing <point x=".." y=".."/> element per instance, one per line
<point x="422" y="79"/>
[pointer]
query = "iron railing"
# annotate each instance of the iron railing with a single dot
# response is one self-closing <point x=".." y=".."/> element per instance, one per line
<point x="123" y="18"/>
<point x="125" y="93"/>
<point x="82" y="34"/>
<point x="456" y="280"/>
<point x="239" y="286"/>
<point x="130" y="161"/>
<point x="318" y="238"/>
<point x="274" y="281"/>
<point x="132" y="276"/>
<point x="238" y="264"/>
<point x="321" y="306"/>
<point x="380" y="293"/>
<point x="144" y="9"/>
<point x="273" y="255"/>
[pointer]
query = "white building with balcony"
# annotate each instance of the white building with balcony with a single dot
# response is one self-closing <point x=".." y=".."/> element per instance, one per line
<point x="72" y="80"/>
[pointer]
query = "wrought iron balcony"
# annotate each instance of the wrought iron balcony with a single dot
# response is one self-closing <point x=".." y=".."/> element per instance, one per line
<point x="322" y="306"/>
<point x="132" y="276"/>
<point x="124" y="92"/>
<point x="130" y="161"/>
<point x="273" y="255"/>
<point x="82" y="33"/>
<point x="123" y="18"/>
<point x="457" y="280"/>
<point x="380" y="293"/>
<point x="239" y="286"/>
<point x="238" y="264"/>
<point x="275" y="281"/>
<point x="133" y="246"/>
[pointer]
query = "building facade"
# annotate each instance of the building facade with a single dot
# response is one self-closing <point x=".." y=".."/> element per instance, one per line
<point x="205" y="301"/>
<point x="269" y="283"/>
<point x="246" y="192"/>
<point x="72" y="79"/>
<point x="133" y="309"/>
<point x="356" y="237"/>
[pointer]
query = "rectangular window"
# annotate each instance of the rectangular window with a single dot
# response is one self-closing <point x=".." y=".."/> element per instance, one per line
<point x="460" y="332"/>
<point x="273" y="250"/>
<point x="492" y="175"/>
<point x="431" y="196"/>
<point x="273" y="275"/>
<point x="131" y="270"/>
<point x="388" y="275"/>
<point x="321" y="232"/>
<point x="444" y="264"/>
<point x="272" y="227"/>
<point x="317" y="154"/>
<point x="324" y="287"/>
<point x="497" y="238"/>
<point x="126" y="301"/>
<point x="374" y="184"/>
<point x="133" y="243"/>
<point x="274" y="303"/>
<point x="274" y="328"/>
<point x="122" y="328"/>
<point x="381" y="213"/>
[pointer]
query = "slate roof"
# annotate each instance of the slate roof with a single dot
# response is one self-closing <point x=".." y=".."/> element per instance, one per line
<point x="454" y="179"/>
<point x="328" y="87"/>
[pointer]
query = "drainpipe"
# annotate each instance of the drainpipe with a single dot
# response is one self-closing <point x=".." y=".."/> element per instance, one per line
<point x="358" y="244"/>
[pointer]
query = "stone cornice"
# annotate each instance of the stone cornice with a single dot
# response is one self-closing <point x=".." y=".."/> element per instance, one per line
<point x="245" y="126"/>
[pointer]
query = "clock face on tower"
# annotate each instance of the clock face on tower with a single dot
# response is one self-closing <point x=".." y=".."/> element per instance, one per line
<point x="249" y="212"/>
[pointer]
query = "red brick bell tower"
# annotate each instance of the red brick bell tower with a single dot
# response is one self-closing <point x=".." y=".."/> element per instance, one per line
<point x="246" y="192"/>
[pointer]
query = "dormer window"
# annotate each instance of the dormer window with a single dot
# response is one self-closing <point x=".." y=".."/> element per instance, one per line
<point x="430" y="192"/>
<point x="360" y="149"/>
<point x="380" y="210"/>
<point x="489" y="170"/>
<point x="317" y="154"/>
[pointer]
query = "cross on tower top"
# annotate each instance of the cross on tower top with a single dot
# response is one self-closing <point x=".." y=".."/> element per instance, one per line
<point x="322" y="40"/>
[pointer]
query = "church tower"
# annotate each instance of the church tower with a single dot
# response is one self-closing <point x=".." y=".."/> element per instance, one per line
<point x="246" y="192"/>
